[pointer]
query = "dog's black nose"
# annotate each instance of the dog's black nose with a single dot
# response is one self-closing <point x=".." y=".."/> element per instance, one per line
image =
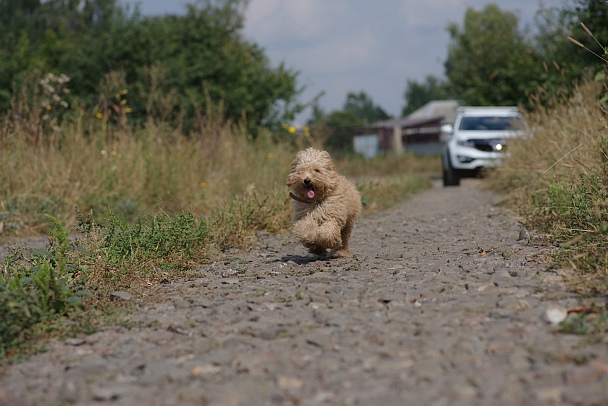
<point x="307" y="181"/>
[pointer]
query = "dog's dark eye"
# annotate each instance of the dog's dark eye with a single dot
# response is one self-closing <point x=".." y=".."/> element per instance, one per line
<point x="316" y="170"/>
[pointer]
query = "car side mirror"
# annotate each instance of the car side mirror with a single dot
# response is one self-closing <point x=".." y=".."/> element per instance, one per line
<point x="446" y="132"/>
<point x="447" y="129"/>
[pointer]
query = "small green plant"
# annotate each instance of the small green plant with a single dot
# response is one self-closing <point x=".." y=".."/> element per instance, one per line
<point x="575" y="325"/>
<point x="593" y="324"/>
<point x="153" y="237"/>
<point x="36" y="288"/>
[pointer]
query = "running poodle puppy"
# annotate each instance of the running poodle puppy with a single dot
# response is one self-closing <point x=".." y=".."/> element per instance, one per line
<point x="325" y="205"/>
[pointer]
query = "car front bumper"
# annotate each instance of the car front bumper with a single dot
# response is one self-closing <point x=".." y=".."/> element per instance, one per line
<point x="466" y="158"/>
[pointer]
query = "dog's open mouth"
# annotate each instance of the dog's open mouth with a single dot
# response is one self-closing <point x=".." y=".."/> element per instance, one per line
<point x="310" y="192"/>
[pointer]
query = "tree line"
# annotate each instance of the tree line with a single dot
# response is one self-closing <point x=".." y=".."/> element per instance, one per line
<point x="492" y="60"/>
<point x="173" y="66"/>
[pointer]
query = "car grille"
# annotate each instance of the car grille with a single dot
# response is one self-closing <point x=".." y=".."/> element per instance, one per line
<point x="494" y="145"/>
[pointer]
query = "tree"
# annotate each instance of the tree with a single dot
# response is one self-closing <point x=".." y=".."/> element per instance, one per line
<point x="362" y="106"/>
<point x="594" y="14"/>
<point x="53" y="36"/>
<point x="340" y="125"/>
<point x="417" y="94"/>
<point x="202" y="54"/>
<point x="16" y="15"/>
<point x="558" y="67"/>
<point x="564" y="63"/>
<point x="489" y="61"/>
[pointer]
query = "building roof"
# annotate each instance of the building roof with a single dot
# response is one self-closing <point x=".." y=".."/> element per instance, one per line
<point x="434" y="112"/>
<point x="445" y="108"/>
<point x="404" y="122"/>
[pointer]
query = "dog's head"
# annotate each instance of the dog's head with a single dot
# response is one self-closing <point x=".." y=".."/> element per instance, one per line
<point x="312" y="174"/>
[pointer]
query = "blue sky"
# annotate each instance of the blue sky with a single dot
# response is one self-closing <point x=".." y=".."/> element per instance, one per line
<point x="339" y="46"/>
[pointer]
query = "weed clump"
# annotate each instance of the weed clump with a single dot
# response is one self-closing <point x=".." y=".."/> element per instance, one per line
<point x="37" y="288"/>
<point x="43" y="287"/>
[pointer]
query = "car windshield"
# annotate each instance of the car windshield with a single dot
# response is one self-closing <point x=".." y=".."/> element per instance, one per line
<point x="491" y="123"/>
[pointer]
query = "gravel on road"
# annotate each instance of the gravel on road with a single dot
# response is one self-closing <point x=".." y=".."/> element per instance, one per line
<point x="442" y="303"/>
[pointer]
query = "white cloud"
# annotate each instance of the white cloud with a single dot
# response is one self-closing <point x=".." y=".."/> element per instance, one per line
<point x="290" y="20"/>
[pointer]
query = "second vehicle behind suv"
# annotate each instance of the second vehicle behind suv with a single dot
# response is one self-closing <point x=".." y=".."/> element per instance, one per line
<point x="478" y="140"/>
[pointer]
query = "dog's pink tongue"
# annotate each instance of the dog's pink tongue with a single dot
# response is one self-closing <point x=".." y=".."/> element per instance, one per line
<point x="310" y="193"/>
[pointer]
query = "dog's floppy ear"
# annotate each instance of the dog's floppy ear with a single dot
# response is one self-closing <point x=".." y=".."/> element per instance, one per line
<point x="328" y="163"/>
<point x="292" y="169"/>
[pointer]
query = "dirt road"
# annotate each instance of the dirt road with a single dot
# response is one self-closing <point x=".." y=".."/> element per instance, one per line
<point x="440" y="305"/>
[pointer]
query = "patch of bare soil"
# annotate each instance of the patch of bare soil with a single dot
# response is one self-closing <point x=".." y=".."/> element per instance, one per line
<point x="441" y="304"/>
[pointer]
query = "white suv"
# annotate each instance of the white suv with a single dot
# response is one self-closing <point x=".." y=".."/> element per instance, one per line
<point x="478" y="140"/>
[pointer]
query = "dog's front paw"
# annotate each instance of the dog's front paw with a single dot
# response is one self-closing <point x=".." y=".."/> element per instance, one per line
<point x="316" y="249"/>
<point x="342" y="253"/>
<point x="305" y="232"/>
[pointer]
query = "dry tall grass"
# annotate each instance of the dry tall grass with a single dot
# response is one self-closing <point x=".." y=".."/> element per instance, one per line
<point x="130" y="172"/>
<point x="558" y="177"/>
<point x="89" y="161"/>
<point x="568" y="140"/>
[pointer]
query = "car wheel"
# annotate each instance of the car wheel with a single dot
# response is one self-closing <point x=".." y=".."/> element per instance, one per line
<point x="450" y="176"/>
